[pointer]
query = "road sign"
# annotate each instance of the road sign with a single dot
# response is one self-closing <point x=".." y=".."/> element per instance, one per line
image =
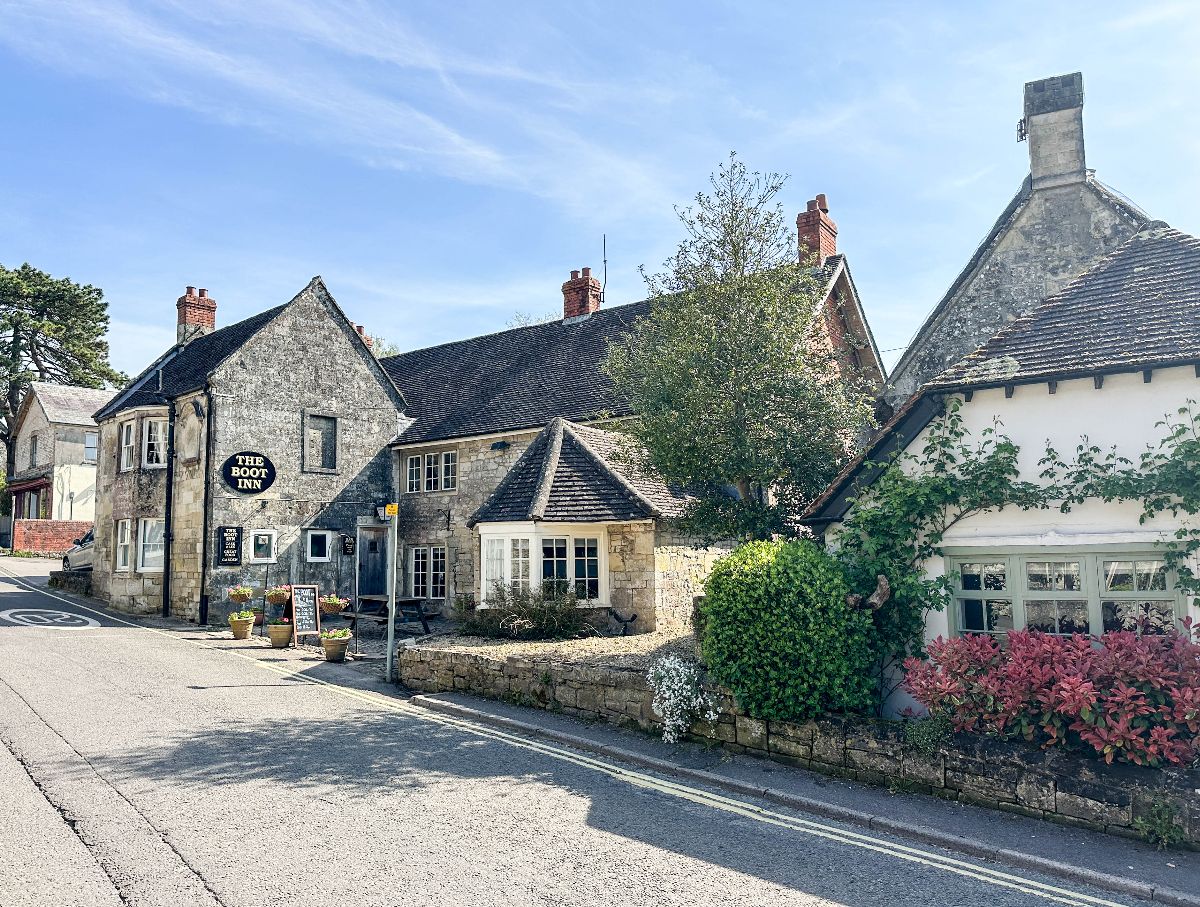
<point x="391" y="509"/>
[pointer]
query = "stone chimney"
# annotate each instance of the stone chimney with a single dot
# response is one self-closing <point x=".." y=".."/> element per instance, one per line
<point x="366" y="337"/>
<point x="1054" y="126"/>
<point x="197" y="315"/>
<point x="581" y="294"/>
<point x="817" y="231"/>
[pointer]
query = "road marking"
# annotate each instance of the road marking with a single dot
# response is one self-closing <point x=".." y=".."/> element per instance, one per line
<point x="966" y="868"/>
<point x="46" y="617"/>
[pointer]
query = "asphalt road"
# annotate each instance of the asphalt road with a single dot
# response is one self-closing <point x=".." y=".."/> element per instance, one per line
<point x="166" y="766"/>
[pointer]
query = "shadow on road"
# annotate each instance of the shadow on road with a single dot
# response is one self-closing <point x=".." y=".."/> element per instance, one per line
<point x="367" y="753"/>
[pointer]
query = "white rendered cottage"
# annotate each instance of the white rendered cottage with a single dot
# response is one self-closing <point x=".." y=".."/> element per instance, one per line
<point x="1107" y="359"/>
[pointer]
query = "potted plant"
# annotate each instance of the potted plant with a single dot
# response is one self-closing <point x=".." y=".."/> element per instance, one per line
<point x="279" y="595"/>
<point x="280" y="631"/>
<point x="258" y="615"/>
<point x="333" y="604"/>
<point x="239" y="595"/>
<point x="241" y="623"/>
<point x="335" y="642"/>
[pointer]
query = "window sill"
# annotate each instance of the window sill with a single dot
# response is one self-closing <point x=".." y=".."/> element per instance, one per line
<point x="153" y="467"/>
<point x="320" y="471"/>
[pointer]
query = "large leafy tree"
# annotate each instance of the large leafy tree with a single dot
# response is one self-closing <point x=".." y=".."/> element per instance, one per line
<point x="51" y="329"/>
<point x="733" y="394"/>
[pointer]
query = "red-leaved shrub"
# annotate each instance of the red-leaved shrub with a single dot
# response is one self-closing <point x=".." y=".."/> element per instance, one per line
<point x="1130" y="698"/>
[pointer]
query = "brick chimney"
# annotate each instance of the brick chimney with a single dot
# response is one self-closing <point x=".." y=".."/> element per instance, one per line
<point x="197" y="315"/>
<point x="581" y="294"/>
<point x="1054" y="126"/>
<point x="817" y="231"/>
<point x="366" y="337"/>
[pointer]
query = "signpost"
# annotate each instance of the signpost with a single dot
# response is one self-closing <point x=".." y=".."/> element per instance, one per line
<point x="248" y="472"/>
<point x="392" y="512"/>
<point x="229" y="546"/>
<point x="306" y="615"/>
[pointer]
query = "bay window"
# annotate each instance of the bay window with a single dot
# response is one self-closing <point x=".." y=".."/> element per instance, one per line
<point x="568" y="558"/>
<point x="1062" y="592"/>
<point x="154" y="443"/>
<point x="125" y="434"/>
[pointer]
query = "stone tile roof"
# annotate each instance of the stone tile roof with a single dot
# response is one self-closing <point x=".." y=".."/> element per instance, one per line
<point x="520" y="378"/>
<point x="186" y="368"/>
<point x="1138" y="307"/>
<point x="579" y="474"/>
<point x="69" y="405"/>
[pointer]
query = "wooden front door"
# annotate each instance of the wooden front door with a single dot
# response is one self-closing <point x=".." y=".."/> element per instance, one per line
<point x="372" y="562"/>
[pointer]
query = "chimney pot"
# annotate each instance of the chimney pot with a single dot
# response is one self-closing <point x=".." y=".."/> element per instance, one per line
<point x="581" y="294"/>
<point x="191" y="291"/>
<point x="360" y="329"/>
<point x="203" y="293"/>
<point x="816" y="230"/>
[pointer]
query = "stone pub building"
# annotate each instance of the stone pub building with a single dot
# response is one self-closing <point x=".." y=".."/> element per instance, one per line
<point x="263" y="453"/>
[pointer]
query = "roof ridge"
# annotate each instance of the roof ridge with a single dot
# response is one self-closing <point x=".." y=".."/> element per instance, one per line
<point x="524" y="327"/>
<point x="541" y="497"/>
<point x="609" y="470"/>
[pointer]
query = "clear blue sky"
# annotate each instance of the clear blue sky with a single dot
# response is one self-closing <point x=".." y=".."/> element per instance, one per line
<point x="443" y="165"/>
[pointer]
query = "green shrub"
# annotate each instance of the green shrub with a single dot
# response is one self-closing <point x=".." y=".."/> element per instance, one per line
<point x="525" y="614"/>
<point x="927" y="735"/>
<point x="780" y="636"/>
<point x="1161" y="825"/>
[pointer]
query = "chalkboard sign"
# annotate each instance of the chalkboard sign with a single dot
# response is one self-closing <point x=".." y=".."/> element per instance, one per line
<point x="229" y="546"/>
<point x="248" y="472"/>
<point x="306" y="616"/>
<point x="348" y="545"/>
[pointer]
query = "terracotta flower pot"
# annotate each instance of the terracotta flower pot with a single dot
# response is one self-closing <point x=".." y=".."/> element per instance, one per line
<point x="335" y="649"/>
<point x="258" y="617"/>
<point x="241" y="627"/>
<point x="281" y="635"/>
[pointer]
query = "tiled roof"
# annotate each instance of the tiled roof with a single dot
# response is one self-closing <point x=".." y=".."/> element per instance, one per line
<point x="187" y="368"/>
<point x="69" y="405"/>
<point x="1138" y="307"/>
<point x="577" y="474"/>
<point x="1005" y="222"/>
<point x="520" y="378"/>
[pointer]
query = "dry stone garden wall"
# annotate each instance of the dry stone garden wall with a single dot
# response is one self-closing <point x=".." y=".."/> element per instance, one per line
<point x="1054" y="786"/>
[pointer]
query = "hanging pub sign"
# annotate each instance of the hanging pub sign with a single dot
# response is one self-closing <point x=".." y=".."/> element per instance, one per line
<point x="306" y="615"/>
<point x="348" y="545"/>
<point x="248" y="472"/>
<point x="229" y="546"/>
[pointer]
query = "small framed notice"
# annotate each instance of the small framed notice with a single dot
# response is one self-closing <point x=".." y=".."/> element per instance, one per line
<point x="306" y="615"/>
<point x="229" y="546"/>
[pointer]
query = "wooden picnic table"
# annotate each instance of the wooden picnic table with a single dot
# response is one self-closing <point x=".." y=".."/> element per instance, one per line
<point x="408" y="610"/>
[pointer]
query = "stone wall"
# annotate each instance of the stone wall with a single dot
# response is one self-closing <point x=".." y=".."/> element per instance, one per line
<point x="1050" y="236"/>
<point x="1002" y="775"/>
<point x="47" y="537"/>
<point x="681" y="565"/>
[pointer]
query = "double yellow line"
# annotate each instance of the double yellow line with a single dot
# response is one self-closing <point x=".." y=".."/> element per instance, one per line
<point x="977" y="871"/>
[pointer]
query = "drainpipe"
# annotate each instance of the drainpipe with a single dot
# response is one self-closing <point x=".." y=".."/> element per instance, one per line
<point x="207" y="465"/>
<point x="169" y="522"/>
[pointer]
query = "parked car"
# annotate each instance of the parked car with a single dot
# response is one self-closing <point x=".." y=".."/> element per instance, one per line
<point x="80" y="557"/>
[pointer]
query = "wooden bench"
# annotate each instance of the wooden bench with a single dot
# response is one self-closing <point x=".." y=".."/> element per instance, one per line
<point x="408" y="610"/>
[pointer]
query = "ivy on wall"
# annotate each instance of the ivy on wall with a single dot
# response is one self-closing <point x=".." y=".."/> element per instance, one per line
<point x="901" y="520"/>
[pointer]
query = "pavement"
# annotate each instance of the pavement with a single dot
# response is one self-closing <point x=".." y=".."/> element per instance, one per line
<point x="152" y="763"/>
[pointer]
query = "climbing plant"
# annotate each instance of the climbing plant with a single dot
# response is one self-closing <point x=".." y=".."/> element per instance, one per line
<point x="899" y="522"/>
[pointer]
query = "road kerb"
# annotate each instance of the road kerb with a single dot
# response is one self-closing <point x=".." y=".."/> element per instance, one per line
<point x="910" y="831"/>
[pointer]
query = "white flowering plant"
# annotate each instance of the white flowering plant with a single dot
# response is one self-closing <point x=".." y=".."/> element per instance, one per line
<point x="679" y="700"/>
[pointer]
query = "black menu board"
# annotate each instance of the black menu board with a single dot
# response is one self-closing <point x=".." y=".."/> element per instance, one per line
<point x="306" y="616"/>
<point x="229" y="546"/>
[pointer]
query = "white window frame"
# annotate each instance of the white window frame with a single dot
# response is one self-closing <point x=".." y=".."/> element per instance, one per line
<point x="94" y="438"/>
<point x="1092" y="584"/>
<point x="309" y="535"/>
<point x="161" y="443"/>
<point x="127" y="445"/>
<point x="433" y="473"/>
<point x="449" y="470"/>
<point x="415" y="474"/>
<point x="274" y="535"/>
<point x="438" y="554"/>
<point x="143" y="533"/>
<point x="122" y="545"/>
<point x="418" y="572"/>
<point x="504" y="534"/>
